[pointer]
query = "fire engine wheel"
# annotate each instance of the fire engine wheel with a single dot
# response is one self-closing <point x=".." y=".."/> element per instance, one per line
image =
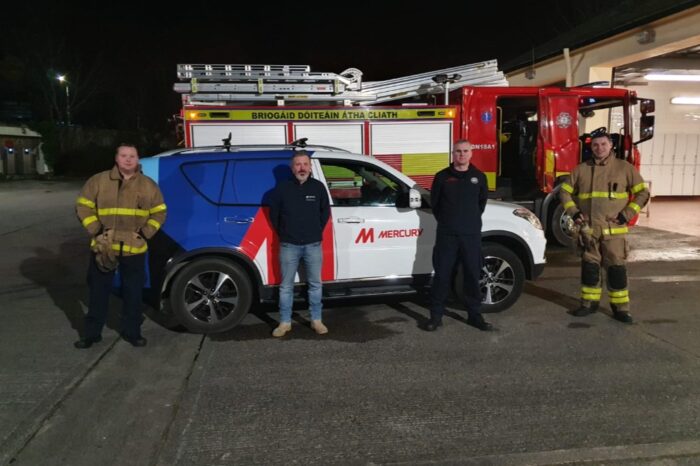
<point x="502" y="278"/>
<point x="211" y="295"/>
<point x="559" y="226"/>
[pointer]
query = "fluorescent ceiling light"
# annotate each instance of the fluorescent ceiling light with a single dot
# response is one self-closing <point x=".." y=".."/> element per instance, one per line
<point x="672" y="77"/>
<point x="684" y="100"/>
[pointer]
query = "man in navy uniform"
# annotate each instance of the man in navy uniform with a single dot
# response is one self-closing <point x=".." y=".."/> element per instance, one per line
<point x="458" y="197"/>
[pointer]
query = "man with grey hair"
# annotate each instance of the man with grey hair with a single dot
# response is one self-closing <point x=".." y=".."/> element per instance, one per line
<point x="299" y="211"/>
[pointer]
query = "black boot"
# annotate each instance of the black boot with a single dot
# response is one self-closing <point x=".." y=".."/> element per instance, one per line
<point x="135" y="341"/>
<point x="87" y="342"/>
<point x="623" y="316"/>
<point x="478" y="321"/>
<point x="585" y="309"/>
<point x="432" y="324"/>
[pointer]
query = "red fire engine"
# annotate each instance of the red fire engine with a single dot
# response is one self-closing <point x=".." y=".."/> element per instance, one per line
<point x="525" y="139"/>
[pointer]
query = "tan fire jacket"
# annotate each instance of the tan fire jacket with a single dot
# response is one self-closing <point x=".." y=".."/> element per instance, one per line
<point x="603" y="190"/>
<point x="133" y="209"/>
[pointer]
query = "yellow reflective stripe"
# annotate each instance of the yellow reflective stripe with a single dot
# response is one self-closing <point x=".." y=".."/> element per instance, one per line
<point x="569" y="204"/>
<point x="116" y="247"/>
<point x="634" y="206"/>
<point x="602" y="194"/>
<point x="619" y="294"/>
<point x="86" y="202"/>
<point x="567" y="187"/>
<point x="591" y="294"/>
<point x="549" y="162"/>
<point x="155" y="224"/>
<point x="622" y="300"/>
<point x="88" y="220"/>
<point x="130" y="249"/>
<point x="638" y="187"/>
<point x="615" y="231"/>
<point x="122" y="211"/>
<point x="158" y="208"/>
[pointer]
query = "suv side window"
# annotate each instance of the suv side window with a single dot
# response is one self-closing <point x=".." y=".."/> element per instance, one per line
<point x="250" y="182"/>
<point x="205" y="178"/>
<point x="357" y="184"/>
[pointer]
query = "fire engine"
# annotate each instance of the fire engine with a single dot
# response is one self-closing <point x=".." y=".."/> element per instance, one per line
<point x="525" y="139"/>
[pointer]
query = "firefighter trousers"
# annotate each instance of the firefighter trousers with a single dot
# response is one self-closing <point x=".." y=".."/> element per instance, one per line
<point x="608" y="253"/>
<point x="133" y="278"/>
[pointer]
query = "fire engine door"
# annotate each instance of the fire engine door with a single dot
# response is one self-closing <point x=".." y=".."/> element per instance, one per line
<point x="559" y="142"/>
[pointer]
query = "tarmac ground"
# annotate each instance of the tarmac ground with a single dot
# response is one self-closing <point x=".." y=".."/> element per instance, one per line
<point x="545" y="388"/>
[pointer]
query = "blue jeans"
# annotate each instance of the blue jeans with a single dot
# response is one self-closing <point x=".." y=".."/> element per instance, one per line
<point x="290" y="256"/>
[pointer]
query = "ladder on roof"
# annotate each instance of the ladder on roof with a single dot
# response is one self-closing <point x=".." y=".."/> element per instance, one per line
<point x="222" y="84"/>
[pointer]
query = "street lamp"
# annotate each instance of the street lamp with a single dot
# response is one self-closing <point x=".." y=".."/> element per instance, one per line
<point x="62" y="79"/>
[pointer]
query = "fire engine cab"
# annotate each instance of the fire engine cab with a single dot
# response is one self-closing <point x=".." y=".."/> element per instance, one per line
<point x="525" y="139"/>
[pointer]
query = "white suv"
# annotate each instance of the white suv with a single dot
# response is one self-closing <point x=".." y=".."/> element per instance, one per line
<point x="216" y="255"/>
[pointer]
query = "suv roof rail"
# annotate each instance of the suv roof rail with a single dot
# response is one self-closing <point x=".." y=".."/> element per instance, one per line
<point x="240" y="147"/>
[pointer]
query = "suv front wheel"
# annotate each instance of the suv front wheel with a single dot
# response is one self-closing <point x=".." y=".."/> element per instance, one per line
<point x="211" y="295"/>
<point x="502" y="278"/>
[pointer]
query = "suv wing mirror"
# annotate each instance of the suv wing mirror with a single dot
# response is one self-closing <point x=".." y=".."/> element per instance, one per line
<point x="414" y="199"/>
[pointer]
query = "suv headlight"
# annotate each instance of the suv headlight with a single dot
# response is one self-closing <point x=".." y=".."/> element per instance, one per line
<point x="529" y="216"/>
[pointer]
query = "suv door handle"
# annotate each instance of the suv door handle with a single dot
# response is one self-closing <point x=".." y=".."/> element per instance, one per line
<point x="238" y="219"/>
<point x="351" y="220"/>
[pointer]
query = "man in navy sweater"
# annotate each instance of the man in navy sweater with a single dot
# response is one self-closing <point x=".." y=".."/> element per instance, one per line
<point x="458" y="197"/>
<point x="299" y="211"/>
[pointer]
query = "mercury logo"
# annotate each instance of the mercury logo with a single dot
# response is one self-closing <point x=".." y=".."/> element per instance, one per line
<point x="367" y="234"/>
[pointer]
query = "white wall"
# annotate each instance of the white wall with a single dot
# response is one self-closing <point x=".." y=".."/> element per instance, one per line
<point x="671" y="160"/>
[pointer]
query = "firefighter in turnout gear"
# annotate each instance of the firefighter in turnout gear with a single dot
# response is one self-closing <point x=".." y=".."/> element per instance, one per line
<point x="602" y="196"/>
<point x="120" y="209"/>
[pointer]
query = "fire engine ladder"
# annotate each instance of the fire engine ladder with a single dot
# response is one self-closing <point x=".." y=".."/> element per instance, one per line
<point x="222" y="84"/>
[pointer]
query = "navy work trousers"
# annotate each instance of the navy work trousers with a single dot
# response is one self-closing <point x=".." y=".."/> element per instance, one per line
<point x="448" y="250"/>
<point x="133" y="275"/>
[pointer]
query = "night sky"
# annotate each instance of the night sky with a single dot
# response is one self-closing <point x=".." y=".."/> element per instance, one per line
<point x="121" y="60"/>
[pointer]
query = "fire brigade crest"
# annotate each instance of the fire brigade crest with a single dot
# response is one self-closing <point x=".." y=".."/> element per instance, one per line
<point x="564" y="120"/>
<point x="474" y="180"/>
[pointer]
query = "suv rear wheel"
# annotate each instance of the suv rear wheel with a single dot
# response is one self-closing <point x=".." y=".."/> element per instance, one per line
<point x="211" y="295"/>
<point x="502" y="278"/>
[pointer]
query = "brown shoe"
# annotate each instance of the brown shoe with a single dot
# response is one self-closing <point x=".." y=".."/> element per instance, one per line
<point x="318" y="327"/>
<point x="281" y="330"/>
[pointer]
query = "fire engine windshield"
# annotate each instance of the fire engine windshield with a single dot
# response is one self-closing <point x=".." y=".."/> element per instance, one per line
<point x="588" y="104"/>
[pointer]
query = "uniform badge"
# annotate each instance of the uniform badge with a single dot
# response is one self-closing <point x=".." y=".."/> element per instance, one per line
<point x="474" y="180"/>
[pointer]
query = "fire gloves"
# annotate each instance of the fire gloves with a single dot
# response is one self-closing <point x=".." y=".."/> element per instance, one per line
<point x="105" y="256"/>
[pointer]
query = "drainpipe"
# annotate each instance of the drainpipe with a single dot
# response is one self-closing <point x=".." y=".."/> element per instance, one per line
<point x="567" y="60"/>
